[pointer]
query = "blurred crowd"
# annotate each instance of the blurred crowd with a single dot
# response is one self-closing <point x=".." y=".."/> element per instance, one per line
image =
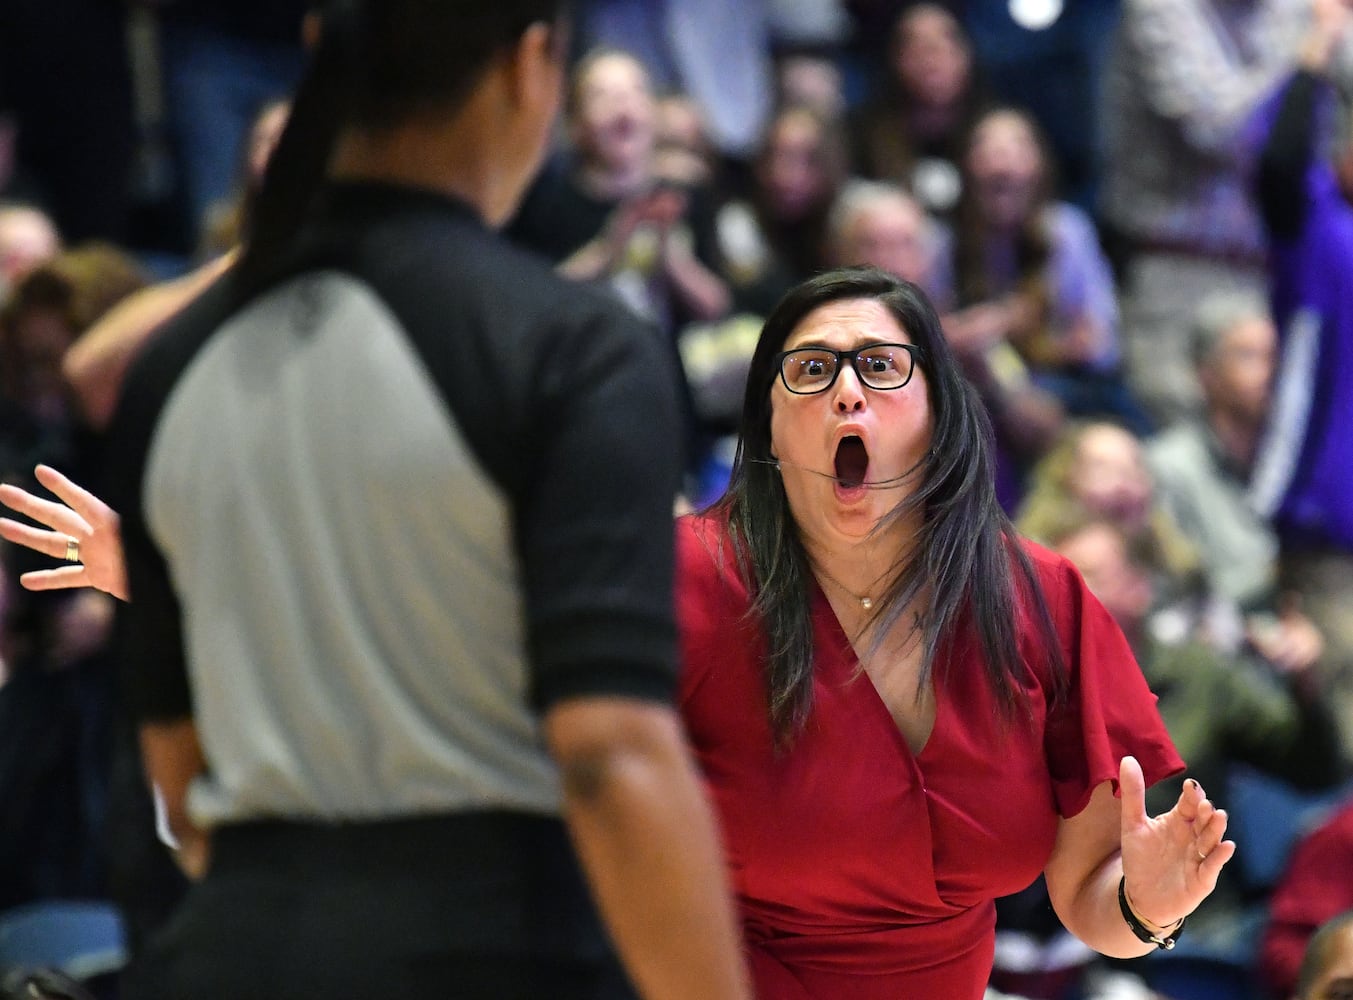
<point x="1132" y="215"/>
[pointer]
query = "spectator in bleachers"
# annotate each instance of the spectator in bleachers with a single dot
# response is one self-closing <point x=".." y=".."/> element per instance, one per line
<point x="1304" y="474"/>
<point x="1028" y="270"/>
<point x="1202" y="469"/>
<point x="715" y="51"/>
<point x="873" y="222"/>
<point x="1316" y="892"/>
<point x="607" y="218"/>
<point x="683" y="152"/>
<point x="777" y="236"/>
<point x="1049" y="59"/>
<point x="912" y="133"/>
<point x="1097" y="469"/>
<point x="28" y="237"/>
<point x="811" y="81"/>
<point x="1188" y="86"/>
<point x="51" y="307"/>
<point x="1327" y="968"/>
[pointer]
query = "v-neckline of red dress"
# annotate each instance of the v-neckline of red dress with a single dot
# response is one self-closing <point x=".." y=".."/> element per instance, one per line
<point x="856" y="677"/>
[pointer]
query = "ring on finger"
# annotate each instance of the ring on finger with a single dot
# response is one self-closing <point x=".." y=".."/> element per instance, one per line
<point x="72" y="550"/>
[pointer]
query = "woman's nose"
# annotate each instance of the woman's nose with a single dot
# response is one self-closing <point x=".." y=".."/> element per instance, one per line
<point x="849" y="392"/>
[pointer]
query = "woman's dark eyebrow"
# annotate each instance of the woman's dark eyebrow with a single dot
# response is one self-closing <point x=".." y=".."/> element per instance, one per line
<point x="860" y="346"/>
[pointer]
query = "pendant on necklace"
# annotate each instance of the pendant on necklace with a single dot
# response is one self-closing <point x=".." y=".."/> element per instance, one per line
<point x="866" y="602"/>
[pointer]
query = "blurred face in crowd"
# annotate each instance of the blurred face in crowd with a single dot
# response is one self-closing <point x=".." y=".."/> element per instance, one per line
<point x="812" y="82"/>
<point x="38" y="338"/>
<point x="683" y="147"/>
<point x="1335" y="979"/>
<point x="891" y="234"/>
<point x="794" y="170"/>
<point x="1109" y="475"/>
<point x="1005" y="168"/>
<point x="1237" y="377"/>
<point x="1101" y="555"/>
<point x="930" y="56"/>
<point x="614" y="117"/>
<point x="27" y="239"/>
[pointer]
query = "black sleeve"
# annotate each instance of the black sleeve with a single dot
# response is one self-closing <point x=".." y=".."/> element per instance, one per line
<point x="595" y="522"/>
<point x="149" y="634"/>
<point x="1281" y="181"/>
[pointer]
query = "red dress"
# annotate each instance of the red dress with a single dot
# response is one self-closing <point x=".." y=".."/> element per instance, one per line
<point x="864" y="871"/>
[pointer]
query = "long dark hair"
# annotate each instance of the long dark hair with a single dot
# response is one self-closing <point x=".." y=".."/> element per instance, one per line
<point x="378" y="64"/>
<point x="966" y="562"/>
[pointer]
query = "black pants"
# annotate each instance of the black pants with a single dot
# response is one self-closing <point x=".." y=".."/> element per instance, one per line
<point x="483" y="906"/>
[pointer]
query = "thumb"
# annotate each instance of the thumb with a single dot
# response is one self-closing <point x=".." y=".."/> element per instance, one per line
<point x="1132" y="786"/>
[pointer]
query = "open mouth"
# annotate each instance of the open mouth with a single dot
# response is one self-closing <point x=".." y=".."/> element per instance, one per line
<point x="852" y="462"/>
<point x="622" y="127"/>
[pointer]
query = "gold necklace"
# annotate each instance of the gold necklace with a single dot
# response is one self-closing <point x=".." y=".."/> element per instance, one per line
<point x="865" y="602"/>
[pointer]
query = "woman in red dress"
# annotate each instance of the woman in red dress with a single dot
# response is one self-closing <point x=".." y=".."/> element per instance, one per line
<point x="901" y="710"/>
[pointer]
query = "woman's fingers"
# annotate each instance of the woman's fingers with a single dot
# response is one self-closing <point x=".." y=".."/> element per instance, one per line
<point x="1205" y="811"/>
<point x="62" y="578"/>
<point x="1210" y="866"/>
<point x="1208" y="835"/>
<point x="56" y="516"/>
<point x="1191" y="800"/>
<point x="49" y="543"/>
<point x="77" y="497"/>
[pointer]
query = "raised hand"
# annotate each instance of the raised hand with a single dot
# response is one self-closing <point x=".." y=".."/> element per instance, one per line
<point x="81" y="517"/>
<point x="1171" y="862"/>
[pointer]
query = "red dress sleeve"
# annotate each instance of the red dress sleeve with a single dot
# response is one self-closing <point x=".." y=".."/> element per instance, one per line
<point x="1109" y="712"/>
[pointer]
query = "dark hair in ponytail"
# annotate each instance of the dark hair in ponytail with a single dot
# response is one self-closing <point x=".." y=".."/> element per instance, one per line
<point x="378" y="64"/>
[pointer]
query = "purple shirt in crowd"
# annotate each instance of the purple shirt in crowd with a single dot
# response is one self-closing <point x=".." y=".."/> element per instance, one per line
<point x="1304" y="476"/>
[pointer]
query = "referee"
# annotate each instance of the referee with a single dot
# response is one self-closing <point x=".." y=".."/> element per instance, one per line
<point x="397" y="519"/>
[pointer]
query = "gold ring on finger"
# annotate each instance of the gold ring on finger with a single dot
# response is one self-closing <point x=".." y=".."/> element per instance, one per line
<point x="72" y="550"/>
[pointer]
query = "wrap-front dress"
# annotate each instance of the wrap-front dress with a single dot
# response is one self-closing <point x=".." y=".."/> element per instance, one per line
<point x="864" y="871"/>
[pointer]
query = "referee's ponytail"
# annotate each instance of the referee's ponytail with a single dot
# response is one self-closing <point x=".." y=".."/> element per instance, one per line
<point x="378" y="64"/>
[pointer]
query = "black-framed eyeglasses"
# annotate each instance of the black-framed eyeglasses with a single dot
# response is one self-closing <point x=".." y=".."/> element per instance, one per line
<point x="807" y="370"/>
